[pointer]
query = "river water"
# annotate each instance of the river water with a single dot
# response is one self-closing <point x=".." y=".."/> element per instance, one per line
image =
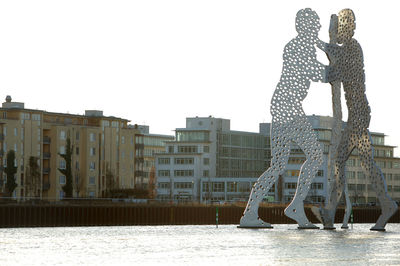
<point x="199" y="245"/>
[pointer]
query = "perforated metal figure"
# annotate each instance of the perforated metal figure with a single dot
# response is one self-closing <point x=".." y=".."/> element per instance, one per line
<point x="349" y="70"/>
<point x="290" y="124"/>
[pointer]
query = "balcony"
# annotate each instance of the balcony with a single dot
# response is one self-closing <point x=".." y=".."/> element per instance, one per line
<point x="139" y="173"/>
<point x="46" y="170"/>
<point x="46" y="140"/>
<point x="46" y="185"/>
<point x="139" y="146"/>
<point x="46" y="155"/>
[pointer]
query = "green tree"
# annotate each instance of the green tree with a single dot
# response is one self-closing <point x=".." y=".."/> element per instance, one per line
<point x="32" y="180"/>
<point x="10" y="171"/>
<point x="67" y="172"/>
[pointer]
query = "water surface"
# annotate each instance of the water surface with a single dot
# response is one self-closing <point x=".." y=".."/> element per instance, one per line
<point x="199" y="245"/>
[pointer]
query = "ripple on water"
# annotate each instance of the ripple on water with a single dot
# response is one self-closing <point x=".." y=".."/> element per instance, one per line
<point x="198" y="245"/>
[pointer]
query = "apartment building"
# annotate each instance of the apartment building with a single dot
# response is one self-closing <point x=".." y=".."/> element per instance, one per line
<point x="152" y="144"/>
<point x="208" y="161"/>
<point x="104" y="151"/>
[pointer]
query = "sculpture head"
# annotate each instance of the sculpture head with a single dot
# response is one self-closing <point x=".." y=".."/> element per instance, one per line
<point x="346" y="25"/>
<point x="307" y="22"/>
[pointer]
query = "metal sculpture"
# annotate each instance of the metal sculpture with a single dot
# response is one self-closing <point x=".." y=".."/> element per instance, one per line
<point x="349" y="71"/>
<point x="336" y="131"/>
<point x="290" y="124"/>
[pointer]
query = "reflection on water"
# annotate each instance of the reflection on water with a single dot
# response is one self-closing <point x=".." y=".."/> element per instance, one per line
<point x="200" y="244"/>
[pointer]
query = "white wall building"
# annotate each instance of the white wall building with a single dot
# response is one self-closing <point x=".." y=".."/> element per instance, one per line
<point x="208" y="161"/>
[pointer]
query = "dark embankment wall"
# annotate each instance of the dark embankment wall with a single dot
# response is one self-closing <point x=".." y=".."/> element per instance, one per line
<point x="54" y="215"/>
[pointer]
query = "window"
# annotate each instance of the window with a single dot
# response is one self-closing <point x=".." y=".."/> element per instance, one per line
<point x="350" y="175"/>
<point x="77" y="165"/>
<point x="62" y="149"/>
<point x="91" y="194"/>
<point x="36" y="117"/>
<point x="317" y="185"/>
<point x="184" y="160"/>
<point x="292" y="173"/>
<point x="77" y="150"/>
<point x="290" y="185"/>
<point x="218" y="186"/>
<point x="92" y="151"/>
<point x="206" y="173"/>
<point x="122" y="140"/>
<point x="206" y="161"/>
<point x="163" y="161"/>
<point x="183" y="173"/>
<point x="63" y="136"/>
<point x="92" y="166"/>
<point x="170" y="149"/>
<point x="62" y="180"/>
<point x="164" y="185"/>
<point x="183" y="185"/>
<point x="92" y="180"/>
<point x="206" y="149"/>
<point x="360" y="175"/>
<point x="62" y="164"/>
<point x="15" y="131"/>
<point x="5" y="131"/>
<point x="320" y="173"/>
<point x="231" y="187"/>
<point x="92" y="137"/>
<point x="162" y="173"/>
<point x="206" y="187"/>
<point x="187" y="149"/>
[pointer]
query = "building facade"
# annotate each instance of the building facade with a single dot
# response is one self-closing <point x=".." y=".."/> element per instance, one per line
<point x="104" y="151"/>
<point x="209" y="162"/>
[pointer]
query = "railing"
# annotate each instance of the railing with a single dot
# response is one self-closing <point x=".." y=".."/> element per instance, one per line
<point x="46" y="170"/>
<point x="46" y="155"/>
<point x="46" y="185"/>
<point x="46" y="140"/>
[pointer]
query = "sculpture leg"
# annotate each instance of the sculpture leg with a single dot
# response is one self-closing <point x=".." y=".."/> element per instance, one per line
<point x="348" y="208"/>
<point x="388" y="206"/>
<point x="280" y="156"/>
<point x="308" y="142"/>
<point x="345" y="148"/>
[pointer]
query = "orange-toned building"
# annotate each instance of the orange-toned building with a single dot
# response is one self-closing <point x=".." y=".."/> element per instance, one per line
<point x="105" y="151"/>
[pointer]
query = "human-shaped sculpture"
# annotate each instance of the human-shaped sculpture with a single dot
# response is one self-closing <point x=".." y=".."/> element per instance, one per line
<point x="349" y="70"/>
<point x="336" y="130"/>
<point x="290" y="124"/>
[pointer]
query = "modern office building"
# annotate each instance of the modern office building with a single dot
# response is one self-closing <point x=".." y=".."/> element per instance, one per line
<point x="104" y="151"/>
<point x="208" y="161"/>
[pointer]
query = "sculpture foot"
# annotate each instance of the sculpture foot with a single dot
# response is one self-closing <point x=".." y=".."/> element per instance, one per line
<point x="316" y="211"/>
<point x="327" y="219"/>
<point x="388" y="209"/>
<point x="251" y="220"/>
<point x="296" y="212"/>
<point x="345" y="227"/>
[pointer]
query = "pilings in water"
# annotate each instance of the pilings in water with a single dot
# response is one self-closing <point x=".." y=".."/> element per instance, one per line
<point x="17" y="215"/>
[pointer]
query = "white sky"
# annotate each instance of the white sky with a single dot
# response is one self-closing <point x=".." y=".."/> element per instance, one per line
<point x="158" y="62"/>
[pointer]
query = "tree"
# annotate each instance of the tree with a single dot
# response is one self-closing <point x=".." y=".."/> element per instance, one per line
<point x="32" y="180"/>
<point x="67" y="172"/>
<point x="110" y="182"/>
<point x="10" y="171"/>
<point x="152" y="183"/>
<point x="78" y="184"/>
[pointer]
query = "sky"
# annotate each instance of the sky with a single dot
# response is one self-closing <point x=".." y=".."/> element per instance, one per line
<point x="156" y="62"/>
